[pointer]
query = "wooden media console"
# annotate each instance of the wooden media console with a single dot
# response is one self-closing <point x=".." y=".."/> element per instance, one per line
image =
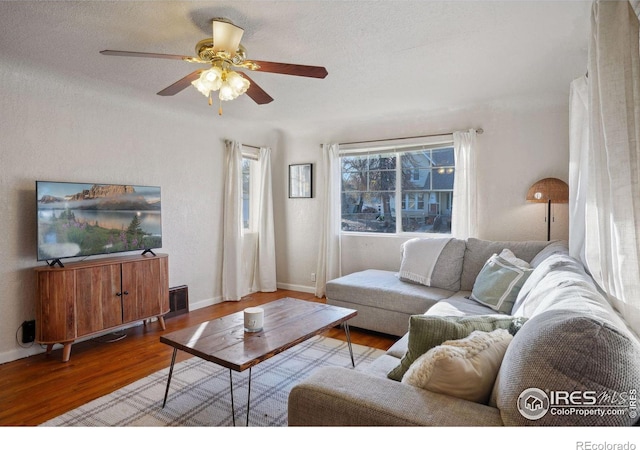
<point x="88" y="298"/>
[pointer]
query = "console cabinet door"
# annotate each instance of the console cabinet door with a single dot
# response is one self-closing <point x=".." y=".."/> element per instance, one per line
<point x="55" y="311"/>
<point x="98" y="303"/>
<point x="145" y="289"/>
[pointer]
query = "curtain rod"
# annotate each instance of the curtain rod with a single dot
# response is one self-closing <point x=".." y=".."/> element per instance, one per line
<point x="478" y="131"/>
<point x="251" y="146"/>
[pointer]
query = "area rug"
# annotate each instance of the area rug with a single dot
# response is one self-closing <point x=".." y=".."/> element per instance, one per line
<point x="200" y="394"/>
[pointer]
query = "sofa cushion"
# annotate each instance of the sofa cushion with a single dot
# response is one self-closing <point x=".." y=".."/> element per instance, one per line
<point x="564" y="285"/>
<point x="554" y="248"/>
<point x="426" y="332"/>
<point x="555" y="270"/>
<point x="568" y="352"/>
<point x="446" y="270"/>
<point x="459" y="304"/>
<point x="464" y="368"/>
<point x="383" y="289"/>
<point x="478" y="252"/>
<point x="499" y="282"/>
<point x="419" y="257"/>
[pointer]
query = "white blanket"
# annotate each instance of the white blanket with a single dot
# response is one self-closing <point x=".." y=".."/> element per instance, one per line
<point x="419" y="256"/>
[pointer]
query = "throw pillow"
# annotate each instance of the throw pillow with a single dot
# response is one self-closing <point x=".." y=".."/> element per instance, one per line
<point x="498" y="284"/>
<point x="513" y="259"/>
<point x="465" y="368"/>
<point x="426" y="332"/>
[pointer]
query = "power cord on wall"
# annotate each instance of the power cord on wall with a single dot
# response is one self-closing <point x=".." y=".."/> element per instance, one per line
<point x="19" y="341"/>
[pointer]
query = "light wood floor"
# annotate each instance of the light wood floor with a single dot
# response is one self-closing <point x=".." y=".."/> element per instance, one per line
<point x="36" y="389"/>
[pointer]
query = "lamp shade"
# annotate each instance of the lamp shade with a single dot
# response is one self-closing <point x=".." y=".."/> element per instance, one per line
<point x="226" y="36"/>
<point x="548" y="189"/>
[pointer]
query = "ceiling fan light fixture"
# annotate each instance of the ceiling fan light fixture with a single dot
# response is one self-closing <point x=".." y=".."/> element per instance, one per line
<point x="226" y="92"/>
<point x="238" y="83"/>
<point x="230" y="84"/>
<point x="226" y="36"/>
<point x="209" y="80"/>
<point x="233" y="86"/>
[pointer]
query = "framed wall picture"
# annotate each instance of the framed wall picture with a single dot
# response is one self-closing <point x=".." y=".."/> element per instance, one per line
<point x="300" y="181"/>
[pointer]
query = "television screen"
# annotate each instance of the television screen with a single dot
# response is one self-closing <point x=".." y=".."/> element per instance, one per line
<point x="83" y="219"/>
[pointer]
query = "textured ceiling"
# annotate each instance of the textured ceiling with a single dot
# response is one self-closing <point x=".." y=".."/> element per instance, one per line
<point x="383" y="57"/>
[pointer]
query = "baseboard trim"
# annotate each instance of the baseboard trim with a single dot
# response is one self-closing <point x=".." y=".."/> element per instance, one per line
<point x="204" y="303"/>
<point x="297" y="287"/>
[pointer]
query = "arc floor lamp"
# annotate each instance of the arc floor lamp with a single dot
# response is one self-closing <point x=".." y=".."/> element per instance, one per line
<point x="548" y="190"/>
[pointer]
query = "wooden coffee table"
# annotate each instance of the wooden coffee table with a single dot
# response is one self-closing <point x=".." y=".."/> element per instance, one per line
<point x="223" y="341"/>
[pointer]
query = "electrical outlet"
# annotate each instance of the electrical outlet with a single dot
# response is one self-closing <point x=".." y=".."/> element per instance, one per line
<point x="313" y="277"/>
<point x="28" y="331"/>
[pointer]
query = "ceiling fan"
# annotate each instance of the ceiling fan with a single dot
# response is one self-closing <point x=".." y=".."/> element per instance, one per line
<point x="223" y="52"/>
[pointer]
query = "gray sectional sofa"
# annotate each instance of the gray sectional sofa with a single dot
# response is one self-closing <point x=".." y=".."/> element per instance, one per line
<point x="572" y="350"/>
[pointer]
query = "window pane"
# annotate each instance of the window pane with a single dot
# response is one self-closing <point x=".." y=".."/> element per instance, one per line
<point x="426" y="203"/>
<point x="246" y="186"/>
<point x="443" y="157"/>
<point x="365" y="212"/>
<point x="382" y="180"/>
<point x="443" y="178"/>
<point x="368" y="193"/>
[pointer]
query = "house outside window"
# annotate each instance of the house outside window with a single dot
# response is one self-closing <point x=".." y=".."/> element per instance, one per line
<point x="409" y="190"/>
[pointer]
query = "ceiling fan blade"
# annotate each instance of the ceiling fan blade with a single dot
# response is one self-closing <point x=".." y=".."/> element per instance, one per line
<point x="256" y="93"/>
<point x="291" y="69"/>
<point x="144" y="55"/>
<point x="181" y="84"/>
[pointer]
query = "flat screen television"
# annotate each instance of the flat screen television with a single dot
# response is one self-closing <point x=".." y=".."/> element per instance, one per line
<point x="84" y="219"/>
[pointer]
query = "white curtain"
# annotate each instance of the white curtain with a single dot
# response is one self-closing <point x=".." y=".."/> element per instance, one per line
<point x="609" y="189"/>
<point x="464" y="215"/>
<point x="578" y="165"/>
<point x="328" y="266"/>
<point x="249" y="256"/>
<point x="234" y="285"/>
<point x="265" y="260"/>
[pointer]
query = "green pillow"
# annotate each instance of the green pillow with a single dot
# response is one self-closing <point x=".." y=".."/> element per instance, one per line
<point x="498" y="284"/>
<point x="426" y="332"/>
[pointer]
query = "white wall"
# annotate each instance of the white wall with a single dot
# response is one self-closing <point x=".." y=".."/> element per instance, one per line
<point x="55" y="129"/>
<point x="58" y="129"/>
<point x="522" y="143"/>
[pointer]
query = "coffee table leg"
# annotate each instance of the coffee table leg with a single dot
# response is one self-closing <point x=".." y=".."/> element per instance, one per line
<point x="166" y="392"/>
<point x="233" y="409"/>
<point x="346" y="331"/>
<point x="249" y="396"/>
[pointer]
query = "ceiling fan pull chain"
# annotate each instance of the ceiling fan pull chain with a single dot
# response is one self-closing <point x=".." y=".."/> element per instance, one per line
<point x="220" y="109"/>
<point x="210" y="100"/>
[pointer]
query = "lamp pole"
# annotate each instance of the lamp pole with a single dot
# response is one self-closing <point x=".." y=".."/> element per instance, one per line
<point x="549" y="220"/>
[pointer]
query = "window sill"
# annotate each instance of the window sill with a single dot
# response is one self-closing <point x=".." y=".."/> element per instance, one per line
<point x="397" y="235"/>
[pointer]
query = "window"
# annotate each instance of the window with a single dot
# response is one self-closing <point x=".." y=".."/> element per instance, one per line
<point x="422" y="175"/>
<point x="246" y="192"/>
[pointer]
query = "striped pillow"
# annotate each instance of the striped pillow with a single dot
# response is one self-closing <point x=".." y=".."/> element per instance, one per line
<point x="498" y="283"/>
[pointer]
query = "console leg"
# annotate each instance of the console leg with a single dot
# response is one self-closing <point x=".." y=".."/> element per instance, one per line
<point x="162" y="324"/>
<point x="66" y="351"/>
